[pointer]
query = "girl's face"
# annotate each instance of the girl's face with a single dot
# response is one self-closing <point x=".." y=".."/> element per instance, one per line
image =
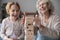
<point x="14" y="11"/>
<point x="43" y="7"/>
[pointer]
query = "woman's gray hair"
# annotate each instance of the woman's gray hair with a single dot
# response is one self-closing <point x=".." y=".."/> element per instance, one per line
<point x="51" y="7"/>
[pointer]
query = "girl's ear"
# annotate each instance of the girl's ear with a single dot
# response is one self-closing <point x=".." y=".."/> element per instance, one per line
<point x="21" y="13"/>
<point x="8" y="12"/>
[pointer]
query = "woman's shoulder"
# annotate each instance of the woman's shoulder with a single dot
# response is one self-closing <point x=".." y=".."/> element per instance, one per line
<point x="55" y="18"/>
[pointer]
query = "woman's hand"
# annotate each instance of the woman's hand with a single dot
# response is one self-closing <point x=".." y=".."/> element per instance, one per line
<point x="37" y="21"/>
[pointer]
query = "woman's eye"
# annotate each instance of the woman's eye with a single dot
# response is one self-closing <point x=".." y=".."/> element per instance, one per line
<point x="40" y="5"/>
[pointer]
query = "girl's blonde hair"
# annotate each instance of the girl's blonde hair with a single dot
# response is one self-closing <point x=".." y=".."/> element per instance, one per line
<point x="9" y="4"/>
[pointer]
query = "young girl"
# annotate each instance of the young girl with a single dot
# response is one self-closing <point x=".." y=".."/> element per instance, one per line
<point x="12" y="26"/>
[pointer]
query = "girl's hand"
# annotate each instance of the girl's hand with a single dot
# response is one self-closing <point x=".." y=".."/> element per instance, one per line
<point x="9" y="39"/>
<point x="23" y="18"/>
<point x="15" y="39"/>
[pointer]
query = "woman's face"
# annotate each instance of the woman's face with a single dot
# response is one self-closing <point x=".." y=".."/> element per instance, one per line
<point x="14" y="11"/>
<point x="43" y="7"/>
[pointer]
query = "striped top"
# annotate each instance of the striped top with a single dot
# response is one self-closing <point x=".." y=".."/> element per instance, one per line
<point x="52" y="28"/>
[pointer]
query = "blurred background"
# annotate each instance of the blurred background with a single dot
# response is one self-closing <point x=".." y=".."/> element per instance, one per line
<point x="28" y="6"/>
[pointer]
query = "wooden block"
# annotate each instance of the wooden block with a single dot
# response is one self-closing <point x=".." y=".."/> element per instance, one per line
<point x="29" y="28"/>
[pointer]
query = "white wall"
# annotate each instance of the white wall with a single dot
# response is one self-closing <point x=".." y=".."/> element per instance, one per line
<point x="26" y="5"/>
<point x="30" y="5"/>
<point x="57" y="6"/>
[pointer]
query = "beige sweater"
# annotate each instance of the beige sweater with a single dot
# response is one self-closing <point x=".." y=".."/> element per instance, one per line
<point x="52" y="28"/>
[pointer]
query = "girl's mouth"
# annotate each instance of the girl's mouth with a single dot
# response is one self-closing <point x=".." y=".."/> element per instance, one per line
<point x="14" y="15"/>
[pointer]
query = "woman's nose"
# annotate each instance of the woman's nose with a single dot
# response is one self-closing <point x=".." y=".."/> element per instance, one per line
<point x="40" y="7"/>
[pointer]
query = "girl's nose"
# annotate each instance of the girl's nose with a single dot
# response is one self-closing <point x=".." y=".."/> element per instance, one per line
<point x="15" y="12"/>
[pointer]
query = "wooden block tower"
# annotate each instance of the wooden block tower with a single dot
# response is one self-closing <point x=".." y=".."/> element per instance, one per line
<point x="29" y="28"/>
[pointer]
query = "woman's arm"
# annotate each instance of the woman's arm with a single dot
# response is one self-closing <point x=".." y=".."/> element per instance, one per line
<point x="48" y="32"/>
<point x="54" y="31"/>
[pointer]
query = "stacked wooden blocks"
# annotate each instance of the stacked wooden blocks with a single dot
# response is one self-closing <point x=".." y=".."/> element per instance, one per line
<point x="29" y="29"/>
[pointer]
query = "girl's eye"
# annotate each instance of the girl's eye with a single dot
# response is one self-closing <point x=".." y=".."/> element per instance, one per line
<point x="17" y="10"/>
<point x="13" y="10"/>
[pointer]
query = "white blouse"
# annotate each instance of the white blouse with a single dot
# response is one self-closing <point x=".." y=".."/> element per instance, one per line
<point x="11" y="29"/>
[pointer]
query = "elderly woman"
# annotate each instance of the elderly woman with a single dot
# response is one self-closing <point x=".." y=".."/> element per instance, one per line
<point x="49" y="24"/>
